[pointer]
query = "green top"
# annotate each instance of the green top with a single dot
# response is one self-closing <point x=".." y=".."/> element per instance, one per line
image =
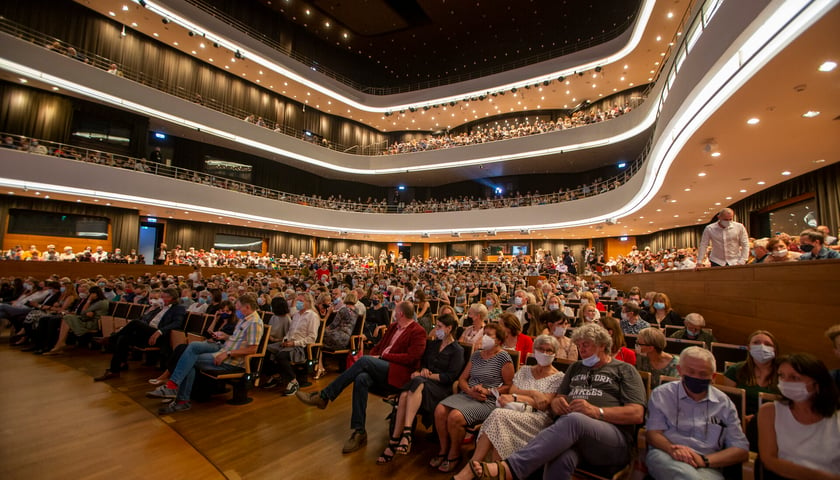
<point x="752" y="391"/>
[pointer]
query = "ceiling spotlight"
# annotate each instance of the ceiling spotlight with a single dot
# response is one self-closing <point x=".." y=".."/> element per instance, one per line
<point x="426" y="107"/>
<point x="525" y="231"/>
<point x="561" y="78"/>
<point x="216" y="44"/>
<point x="238" y="55"/>
<point x="424" y="235"/>
<point x="598" y="69"/>
<point x="513" y="89"/>
<point x="191" y="33"/>
<point x="452" y="103"/>
<point x="164" y="20"/>
<point x="482" y="97"/>
<point x="412" y="109"/>
<point x="546" y="82"/>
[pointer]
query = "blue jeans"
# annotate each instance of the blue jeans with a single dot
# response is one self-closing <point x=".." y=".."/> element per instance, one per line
<point x="196" y="355"/>
<point x="366" y="372"/>
<point x="572" y="438"/>
<point x="660" y="465"/>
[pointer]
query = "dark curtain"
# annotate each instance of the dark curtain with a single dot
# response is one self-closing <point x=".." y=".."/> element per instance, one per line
<point x="437" y="250"/>
<point x="339" y="246"/>
<point x="823" y="183"/>
<point x="33" y="113"/>
<point x="125" y="223"/>
<point x="674" y="238"/>
<point x="417" y="250"/>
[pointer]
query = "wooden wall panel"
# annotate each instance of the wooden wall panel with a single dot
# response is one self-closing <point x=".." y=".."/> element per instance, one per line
<point x="796" y="301"/>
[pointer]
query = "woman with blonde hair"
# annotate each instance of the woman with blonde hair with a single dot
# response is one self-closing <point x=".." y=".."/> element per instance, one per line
<point x="651" y="356"/>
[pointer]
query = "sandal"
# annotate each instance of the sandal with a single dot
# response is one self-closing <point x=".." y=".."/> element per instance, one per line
<point x="437" y="460"/>
<point x="319" y="372"/>
<point x="386" y="457"/>
<point x="501" y="472"/>
<point x="449" y="465"/>
<point x="405" y="448"/>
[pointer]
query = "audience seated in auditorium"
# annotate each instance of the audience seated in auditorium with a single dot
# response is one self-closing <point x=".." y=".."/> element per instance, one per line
<point x="488" y="374"/>
<point x="524" y="411"/>
<point x="779" y="251"/>
<point x="387" y="366"/>
<point x="442" y="362"/>
<point x="631" y="322"/>
<point x="812" y="242"/>
<point x="661" y="313"/>
<point x="514" y="338"/>
<point x="277" y="366"/>
<point x="205" y="355"/>
<point x="86" y="321"/>
<point x="598" y="405"/>
<point x="153" y="330"/>
<point x="693" y="429"/>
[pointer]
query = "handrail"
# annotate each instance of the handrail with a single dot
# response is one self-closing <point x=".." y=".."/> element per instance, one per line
<point x="313" y="64"/>
<point x="81" y="154"/>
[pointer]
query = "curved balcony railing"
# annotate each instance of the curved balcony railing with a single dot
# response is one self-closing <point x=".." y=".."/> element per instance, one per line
<point x="75" y="153"/>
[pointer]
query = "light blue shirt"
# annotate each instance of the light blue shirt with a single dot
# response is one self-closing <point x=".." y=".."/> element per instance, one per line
<point x="707" y="426"/>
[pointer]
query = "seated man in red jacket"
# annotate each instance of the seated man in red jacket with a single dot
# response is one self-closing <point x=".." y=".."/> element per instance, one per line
<point x="389" y="363"/>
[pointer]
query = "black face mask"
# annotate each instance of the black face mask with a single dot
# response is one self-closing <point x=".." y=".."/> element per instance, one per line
<point x="696" y="385"/>
<point x="806" y="247"/>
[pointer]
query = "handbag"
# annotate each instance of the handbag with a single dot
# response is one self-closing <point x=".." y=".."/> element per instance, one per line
<point x="355" y="355"/>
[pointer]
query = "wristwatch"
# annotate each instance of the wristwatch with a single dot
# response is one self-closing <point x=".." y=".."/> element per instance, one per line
<point x="705" y="460"/>
<point x="600" y="413"/>
<point x="515" y="398"/>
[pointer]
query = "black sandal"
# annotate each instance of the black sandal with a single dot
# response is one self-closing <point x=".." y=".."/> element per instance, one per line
<point x="449" y="464"/>
<point x="385" y="457"/>
<point x="405" y="448"/>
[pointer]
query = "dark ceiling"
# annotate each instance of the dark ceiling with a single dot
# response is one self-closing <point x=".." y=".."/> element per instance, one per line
<point x="409" y="42"/>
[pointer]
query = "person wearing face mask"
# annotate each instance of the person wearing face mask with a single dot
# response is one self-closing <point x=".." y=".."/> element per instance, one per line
<point x="729" y="240"/>
<point x="477" y="317"/>
<point x="812" y="242"/>
<point x="488" y="368"/>
<point x="779" y="252"/>
<point x="556" y="325"/>
<point x="376" y="321"/>
<point x="152" y="330"/>
<point x="494" y="309"/>
<point x="661" y="313"/>
<point x="798" y="434"/>
<point x="599" y="403"/>
<point x="694" y="323"/>
<point x="223" y="321"/>
<point x="290" y="348"/>
<point x="631" y="322"/>
<point x="558" y="303"/>
<point x="693" y="430"/>
<point x="520" y="302"/>
<point x="201" y="305"/>
<point x="85" y="321"/>
<point x="759" y="253"/>
<point x="587" y="314"/>
<point x="524" y="411"/>
<point x="440" y="366"/>
<point x="651" y="356"/>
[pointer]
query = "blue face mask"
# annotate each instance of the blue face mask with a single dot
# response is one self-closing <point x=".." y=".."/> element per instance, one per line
<point x="620" y="302"/>
<point x="299" y="305"/>
<point x="659" y="305"/>
<point x="224" y="296"/>
<point x="240" y="315"/>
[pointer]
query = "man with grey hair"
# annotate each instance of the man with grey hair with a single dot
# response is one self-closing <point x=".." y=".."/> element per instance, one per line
<point x="694" y="323"/>
<point x="598" y="403"/>
<point x="759" y="250"/>
<point x="693" y="430"/>
<point x="729" y="240"/>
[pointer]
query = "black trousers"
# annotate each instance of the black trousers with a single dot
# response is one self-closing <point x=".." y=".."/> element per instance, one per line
<point x="45" y="336"/>
<point x="137" y="334"/>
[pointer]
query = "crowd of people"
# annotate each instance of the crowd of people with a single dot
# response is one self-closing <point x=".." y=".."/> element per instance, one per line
<point x="332" y="202"/>
<point x="507" y="131"/>
<point x="537" y="415"/>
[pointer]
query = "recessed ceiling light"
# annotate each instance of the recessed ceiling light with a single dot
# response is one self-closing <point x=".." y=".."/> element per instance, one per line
<point x="175" y="43"/>
<point x="134" y="24"/>
<point x="717" y="204"/>
<point x="677" y="215"/>
<point x="728" y="198"/>
<point x="673" y="201"/>
<point x="56" y="89"/>
<point x="715" y="154"/>
<point x="753" y="121"/>
<point x="112" y="14"/>
<point x="786" y="173"/>
<point x="670" y="14"/>
<point x="658" y="38"/>
<point x="810" y="114"/>
<point x="743" y="191"/>
<point x="687" y="190"/>
<point x="658" y="209"/>
<point x="822" y="160"/>
<point x="23" y="80"/>
<point x="125" y="8"/>
<point x="701" y="174"/>
<point x="156" y="34"/>
<point x="827" y="66"/>
<point x="760" y="183"/>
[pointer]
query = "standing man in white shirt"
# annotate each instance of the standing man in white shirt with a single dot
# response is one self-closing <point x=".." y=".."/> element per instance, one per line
<point x="729" y="239"/>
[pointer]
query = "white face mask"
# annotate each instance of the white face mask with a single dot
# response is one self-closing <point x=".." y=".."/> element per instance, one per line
<point x="487" y="342"/>
<point x="553" y="306"/>
<point x="440" y="333"/>
<point x="796" y="391"/>
<point x="780" y="253"/>
<point x="591" y="361"/>
<point x="762" y="353"/>
<point x="639" y="351"/>
<point x="543" y="359"/>
<point x="559" y="332"/>
<point x="583" y="302"/>
<point x="724" y="223"/>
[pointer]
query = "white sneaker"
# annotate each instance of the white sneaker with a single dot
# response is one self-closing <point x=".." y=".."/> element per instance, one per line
<point x="291" y="388"/>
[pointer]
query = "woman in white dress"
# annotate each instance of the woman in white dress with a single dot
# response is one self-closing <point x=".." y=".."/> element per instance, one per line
<point x="525" y="409"/>
<point x="798" y="436"/>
